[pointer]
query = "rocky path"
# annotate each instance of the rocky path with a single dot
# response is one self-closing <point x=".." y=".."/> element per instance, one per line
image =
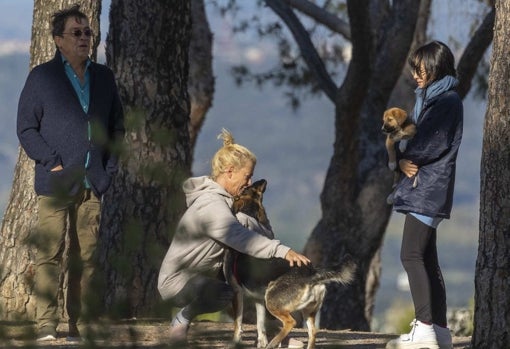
<point x="203" y="335"/>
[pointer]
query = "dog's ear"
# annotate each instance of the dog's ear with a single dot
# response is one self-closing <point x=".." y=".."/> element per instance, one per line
<point x="402" y="115"/>
<point x="399" y="114"/>
<point x="260" y="185"/>
<point x="263" y="185"/>
<point x="238" y="204"/>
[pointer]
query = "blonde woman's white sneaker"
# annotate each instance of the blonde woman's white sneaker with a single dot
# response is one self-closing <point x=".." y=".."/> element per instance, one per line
<point x="46" y="338"/>
<point x="422" y="336"/>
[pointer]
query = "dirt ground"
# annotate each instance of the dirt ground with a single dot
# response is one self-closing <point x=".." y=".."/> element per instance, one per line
<point x="203" y="335"/>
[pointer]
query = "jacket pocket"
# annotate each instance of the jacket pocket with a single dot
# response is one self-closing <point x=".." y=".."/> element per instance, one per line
<point x="66" y="182"/>
<point x="99" y="181"/>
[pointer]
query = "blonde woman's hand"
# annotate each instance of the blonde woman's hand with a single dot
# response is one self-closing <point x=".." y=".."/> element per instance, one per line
<point x="295" y="258"/>
<point x="407" y="167"/>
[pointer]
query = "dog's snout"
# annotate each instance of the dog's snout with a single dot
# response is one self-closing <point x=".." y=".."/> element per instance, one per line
<point x="387" y="128"/>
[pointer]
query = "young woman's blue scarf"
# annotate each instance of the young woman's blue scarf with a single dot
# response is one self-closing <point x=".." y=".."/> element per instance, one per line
<point x="435" y="89"/>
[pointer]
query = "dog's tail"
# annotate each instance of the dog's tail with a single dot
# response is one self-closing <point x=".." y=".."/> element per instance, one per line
<point x="344" y="275"/>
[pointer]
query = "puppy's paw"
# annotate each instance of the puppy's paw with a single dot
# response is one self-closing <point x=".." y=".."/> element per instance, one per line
<point x="389" y="199"/>
<point x="402" y="146"/>
<point x="392" y="166"/>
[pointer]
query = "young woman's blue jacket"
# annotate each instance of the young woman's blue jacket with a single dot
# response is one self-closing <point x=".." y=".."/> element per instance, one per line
<point x="434" y="149"/>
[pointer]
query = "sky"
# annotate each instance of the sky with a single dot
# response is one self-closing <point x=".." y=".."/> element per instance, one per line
<point x="16" y="20"/>
<point x="15" y="25"/>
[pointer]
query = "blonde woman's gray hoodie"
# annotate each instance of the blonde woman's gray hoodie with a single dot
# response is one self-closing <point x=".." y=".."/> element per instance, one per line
<point x="205" y="229"/>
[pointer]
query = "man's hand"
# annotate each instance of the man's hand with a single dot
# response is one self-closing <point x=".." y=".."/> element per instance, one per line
<point x="294" y="257"/>
<point x="57" y="168"/>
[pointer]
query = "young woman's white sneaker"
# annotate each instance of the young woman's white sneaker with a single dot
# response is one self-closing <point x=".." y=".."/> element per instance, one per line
<point x="444" y="337"/>
<point x="421" y="336"/>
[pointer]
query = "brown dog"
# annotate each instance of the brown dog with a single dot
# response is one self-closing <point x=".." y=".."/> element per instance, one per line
<point x="284" y="289"/>
<point x="398" y="127"/>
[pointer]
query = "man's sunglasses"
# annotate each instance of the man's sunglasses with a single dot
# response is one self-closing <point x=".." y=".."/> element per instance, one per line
<point x="78" y="33"/>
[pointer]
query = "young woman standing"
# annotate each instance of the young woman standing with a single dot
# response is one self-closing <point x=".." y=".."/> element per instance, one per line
<point x="425" y="193"/>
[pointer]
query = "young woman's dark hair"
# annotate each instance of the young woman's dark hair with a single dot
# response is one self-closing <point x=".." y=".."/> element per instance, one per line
<point x="434" y="59"/>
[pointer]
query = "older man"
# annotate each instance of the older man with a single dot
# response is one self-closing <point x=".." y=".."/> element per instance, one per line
<point x="69" y="115"/>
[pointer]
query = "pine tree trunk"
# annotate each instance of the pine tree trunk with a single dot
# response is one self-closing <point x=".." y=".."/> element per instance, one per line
<point x="17" y="254"/>
<point x="201" y="78"/>
<point x="353" y="201"/>
<point x="492" y="277"/>
<point x="147" y="48"/>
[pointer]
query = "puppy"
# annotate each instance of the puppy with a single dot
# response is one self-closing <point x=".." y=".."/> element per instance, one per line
<point x="283" y="289"/>
<point x="398" y="127"/>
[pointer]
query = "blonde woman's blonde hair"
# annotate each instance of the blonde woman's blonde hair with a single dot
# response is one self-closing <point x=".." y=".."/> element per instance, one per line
<point x="230" y="155"/>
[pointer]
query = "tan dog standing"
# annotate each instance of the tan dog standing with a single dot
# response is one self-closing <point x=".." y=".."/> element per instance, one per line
<point x="398" y="127"/>
<point x="283" y="289"/>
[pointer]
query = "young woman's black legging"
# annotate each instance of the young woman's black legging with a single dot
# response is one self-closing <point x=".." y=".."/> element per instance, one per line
<point x="419" y="258"/>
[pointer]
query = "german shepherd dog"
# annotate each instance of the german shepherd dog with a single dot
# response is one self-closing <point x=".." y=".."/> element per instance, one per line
<point x="398" y="127"/>
<point x="282" y="288"/>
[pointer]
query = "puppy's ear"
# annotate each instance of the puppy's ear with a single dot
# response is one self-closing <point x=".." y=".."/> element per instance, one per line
<point x="400" y="114"/>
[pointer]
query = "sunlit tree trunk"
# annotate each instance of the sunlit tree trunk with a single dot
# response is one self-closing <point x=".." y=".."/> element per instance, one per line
<point x="17" y="255"/>
<point x="147" y="48"/>
<point x="492" y="276"/>
<point x="201" y="79"/>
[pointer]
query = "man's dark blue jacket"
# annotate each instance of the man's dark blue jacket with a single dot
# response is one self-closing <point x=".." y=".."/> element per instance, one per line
<point x="53" y="128"/>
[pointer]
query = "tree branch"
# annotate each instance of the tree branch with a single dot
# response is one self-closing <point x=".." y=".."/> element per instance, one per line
<point x="308" y="51"/>
<point x="474" y="52"/>
<point x="322" y="16"/>
<point x="398" y="28"/>
<point x="361" y="64"/>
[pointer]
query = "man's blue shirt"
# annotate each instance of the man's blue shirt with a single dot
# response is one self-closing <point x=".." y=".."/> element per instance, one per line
<point x="83" y="93"/>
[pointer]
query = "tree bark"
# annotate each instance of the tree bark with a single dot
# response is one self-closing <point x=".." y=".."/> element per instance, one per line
<point x="201" y="78"/>
<point x="355" y="213"/>
<point x="474" y="52"/>
<point x="402" y="95"/>
<point x="492" y="281"/>
<point x="17" y="254"/>
<point x="147" y="48"/>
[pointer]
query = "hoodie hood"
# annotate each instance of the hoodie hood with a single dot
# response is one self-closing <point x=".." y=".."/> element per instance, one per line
<point x="196" y="186"/>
